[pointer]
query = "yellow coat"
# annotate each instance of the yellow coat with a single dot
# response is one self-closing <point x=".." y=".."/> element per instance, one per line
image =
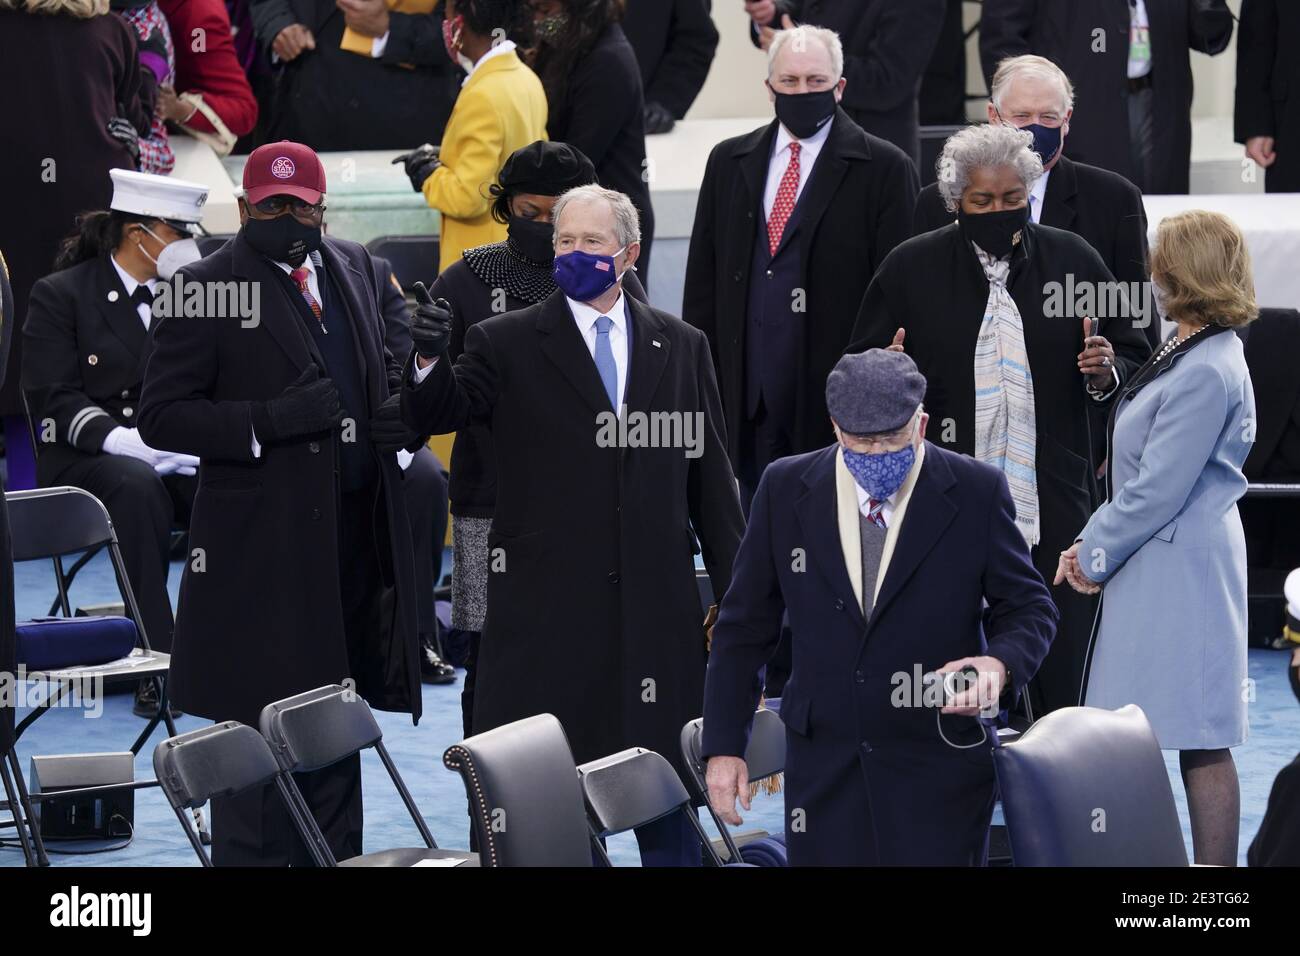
<point x="501" y="108"/>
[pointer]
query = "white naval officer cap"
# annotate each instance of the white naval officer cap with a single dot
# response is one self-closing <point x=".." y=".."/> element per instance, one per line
<point x="160" y="197"/>
<point x="1291" y="589"/>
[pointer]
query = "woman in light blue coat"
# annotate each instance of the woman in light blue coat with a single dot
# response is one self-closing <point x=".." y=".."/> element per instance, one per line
<point x="1167" y="545"/>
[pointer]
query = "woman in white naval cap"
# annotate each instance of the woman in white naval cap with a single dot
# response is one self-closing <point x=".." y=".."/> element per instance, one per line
<point x="85" y="342"/>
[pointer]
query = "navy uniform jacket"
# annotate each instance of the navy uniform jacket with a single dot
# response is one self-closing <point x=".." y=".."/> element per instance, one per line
<point x="84" y="354"/>
<point x="869" y="782"/>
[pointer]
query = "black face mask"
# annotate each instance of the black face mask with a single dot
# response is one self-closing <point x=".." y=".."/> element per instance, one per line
<point x="282" y="239"/>
<point x="994" y="232"/>
<point x="532" y="239"/>
<point x="803" y="114"/>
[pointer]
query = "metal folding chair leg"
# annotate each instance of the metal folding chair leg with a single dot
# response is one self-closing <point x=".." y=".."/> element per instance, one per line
<point x="26" y="801"/>
<point x="16" y="809"/>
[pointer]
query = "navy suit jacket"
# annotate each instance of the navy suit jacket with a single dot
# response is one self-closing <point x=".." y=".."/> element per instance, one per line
<point x="870" y="777"/>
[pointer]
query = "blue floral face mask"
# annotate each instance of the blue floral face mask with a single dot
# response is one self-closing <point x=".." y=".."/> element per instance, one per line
<point x="880" y="475"/>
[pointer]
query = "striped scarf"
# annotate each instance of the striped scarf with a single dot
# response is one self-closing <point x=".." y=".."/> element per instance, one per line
<point x="1006" y="434"/>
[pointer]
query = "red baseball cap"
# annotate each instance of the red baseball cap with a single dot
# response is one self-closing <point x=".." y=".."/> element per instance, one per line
<point x="284" y="168"/>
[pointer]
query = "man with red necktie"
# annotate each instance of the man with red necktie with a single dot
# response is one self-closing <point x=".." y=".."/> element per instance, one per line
<point x="793" y="220"/>
<point x="300" y="518"/>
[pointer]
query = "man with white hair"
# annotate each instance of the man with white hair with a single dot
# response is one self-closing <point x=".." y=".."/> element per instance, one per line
<point x="1034" y="94"/>
<point x="610" y="458"/>
<point x="1131" y="63"/>
<point x="792" y="220"/>
<point x="887" y="45"/>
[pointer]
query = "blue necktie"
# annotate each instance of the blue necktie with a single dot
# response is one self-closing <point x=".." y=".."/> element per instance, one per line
<point x="605" y="361"/>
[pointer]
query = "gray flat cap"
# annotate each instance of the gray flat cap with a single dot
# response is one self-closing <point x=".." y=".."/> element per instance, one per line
<point x="872" y="392"/>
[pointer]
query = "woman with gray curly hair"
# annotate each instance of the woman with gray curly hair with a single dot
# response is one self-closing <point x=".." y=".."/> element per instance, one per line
<point x="1021" y="335"/>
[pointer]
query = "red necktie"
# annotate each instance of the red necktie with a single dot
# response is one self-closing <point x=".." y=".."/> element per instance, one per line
<point x="875" y="513"/>
<point x="786" y="194"/>
<point x="299" y="276"/>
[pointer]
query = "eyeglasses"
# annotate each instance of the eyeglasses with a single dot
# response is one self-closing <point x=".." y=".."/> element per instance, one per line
<point x="893" y="441"/>
<point x="300" y="208"/>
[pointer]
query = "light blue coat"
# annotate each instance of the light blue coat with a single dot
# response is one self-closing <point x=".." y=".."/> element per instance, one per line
<point x="1169" y="548"/>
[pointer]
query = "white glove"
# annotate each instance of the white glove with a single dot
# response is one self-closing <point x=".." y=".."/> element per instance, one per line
<point x="172" y="462"/>
<point x="127" y="441"/>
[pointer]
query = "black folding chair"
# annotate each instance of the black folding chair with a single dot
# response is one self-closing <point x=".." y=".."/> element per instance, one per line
<point x="52" y="523"/>
<point x="66" y="576"/>
<point x="1072" y="764"/>
<point x="525" y="800"/>
<point x="219" y="761"/>
<point x="631" y="788"/>
<point x="321" y="727"/>
<point x="413" y="258"/>
<point x="764" y="757"/>
<point x="70" y="573"/>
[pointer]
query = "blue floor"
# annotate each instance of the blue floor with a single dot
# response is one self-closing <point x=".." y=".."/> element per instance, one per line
<point x="417" y="751"/>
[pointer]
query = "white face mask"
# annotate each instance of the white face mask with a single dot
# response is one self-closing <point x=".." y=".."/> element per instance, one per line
<point x="174" y="255"/>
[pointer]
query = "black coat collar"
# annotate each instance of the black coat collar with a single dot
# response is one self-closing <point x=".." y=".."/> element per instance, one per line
<point x="845" y="143"/>
<point x="119" y="313"/>
<point x="1059" y="200"/>
<point x="563" y="344"/>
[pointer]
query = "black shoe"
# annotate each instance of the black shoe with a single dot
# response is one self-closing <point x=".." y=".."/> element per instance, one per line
<point x="146" y="701"/>
<point x="433" y="669"/>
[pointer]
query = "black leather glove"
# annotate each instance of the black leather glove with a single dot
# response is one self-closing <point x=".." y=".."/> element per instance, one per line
<point x="307" y="407"/>
<point x="658" y="119"/>
<point x="120" y="128"/>
<point x="388" y="432"/>
<point x="430" y="323"/>
<point x="420" y="163"/>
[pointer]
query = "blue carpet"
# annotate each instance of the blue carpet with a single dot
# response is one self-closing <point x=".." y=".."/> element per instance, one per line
<point x="417" y="751"/>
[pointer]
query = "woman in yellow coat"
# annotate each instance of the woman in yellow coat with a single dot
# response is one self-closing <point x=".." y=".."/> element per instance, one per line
<point x="501" y="108"/>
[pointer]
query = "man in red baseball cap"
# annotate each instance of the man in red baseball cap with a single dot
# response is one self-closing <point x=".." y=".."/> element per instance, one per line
<point x="284" y="201"/>
<point x="300" y="516"/>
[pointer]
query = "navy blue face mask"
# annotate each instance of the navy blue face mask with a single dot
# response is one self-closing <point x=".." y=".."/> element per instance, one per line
<point x="583" y="276"/>
<point x="1047" y="140"/>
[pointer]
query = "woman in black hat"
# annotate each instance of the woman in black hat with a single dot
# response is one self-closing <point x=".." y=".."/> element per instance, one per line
<point x="489" y="280"/>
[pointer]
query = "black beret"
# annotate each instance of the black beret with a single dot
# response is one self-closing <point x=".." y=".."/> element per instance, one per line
<point x="546" y="169"/>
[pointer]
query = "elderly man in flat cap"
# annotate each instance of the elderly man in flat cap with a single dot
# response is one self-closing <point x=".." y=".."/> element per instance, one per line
<point x="913" y="607"/>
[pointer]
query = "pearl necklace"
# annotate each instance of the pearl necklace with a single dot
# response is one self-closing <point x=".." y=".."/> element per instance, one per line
<point x="1176" y="341"/>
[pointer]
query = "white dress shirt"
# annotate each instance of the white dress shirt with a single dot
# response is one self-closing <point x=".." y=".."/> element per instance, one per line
<point x="313" y="278"/>
<point x="780" y="160"/>
<point x="1037" y="195"/>
<point x="1139" y="65"/>
<point x="886" y="511"/>
<point x="129" y="283"/>
<point x="497" y="49"/>
<point x="586" y="317"/>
